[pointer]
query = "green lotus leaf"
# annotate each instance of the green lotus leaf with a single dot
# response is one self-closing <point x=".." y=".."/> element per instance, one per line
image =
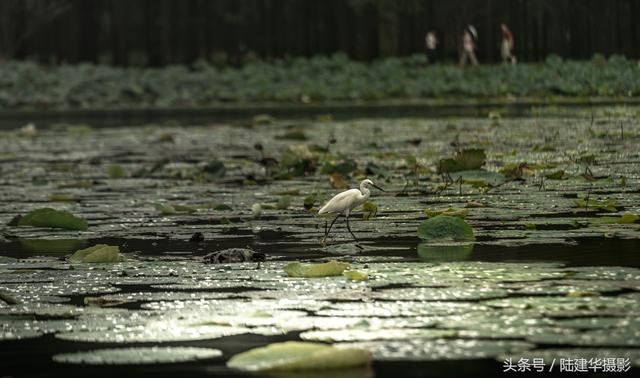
<point x="331" y="268"/>
<point x="47" y="217"/>
<point x="445" y="227"/>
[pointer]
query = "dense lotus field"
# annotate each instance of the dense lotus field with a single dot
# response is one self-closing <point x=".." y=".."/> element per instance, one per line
<point x="105" y="233"/>
<point x="306" y="81"/>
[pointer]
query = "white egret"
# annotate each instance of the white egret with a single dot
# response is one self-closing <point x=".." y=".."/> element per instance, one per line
<point x="343" y="203"/>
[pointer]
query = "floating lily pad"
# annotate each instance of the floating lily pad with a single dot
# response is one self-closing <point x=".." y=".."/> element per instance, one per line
<point x="439" y="349"/>
<point x="293" y="355"/>
<point x="99" y="253"/>
<point x="618" y="273"/>
<point x="445" y="227"/>
<point x="557" y="175"/>
<point x="153" y="331"/>
<point x="479" y="178"/>
<point x="450" y="212"/>
<point x="121" y="298"/>
<point x="18" y="334"/>
<point x="347" y="335"/>
<point x="593" y="204"/>
<point x="137" y="356"/>
<point x="619" y="337"/>
<point x="439" y="294"/>
<point x="331" y="268"/>
<point x="566" y="287"/>
<point x="215" y="169"/>
<point x="395" y="309"/>
<point x="49" y="310"/>
<point x="588" y="354"/>
<point x="627" y="218"/>
<point x="463" y="161"/>
<point x="47" y="217"/>
<point x="355" y="275"/>
<point x="599" y="323"/>
<point x="568" y="305"/>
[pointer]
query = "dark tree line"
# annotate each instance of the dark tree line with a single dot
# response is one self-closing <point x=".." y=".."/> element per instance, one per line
<point x="157" y="32"/>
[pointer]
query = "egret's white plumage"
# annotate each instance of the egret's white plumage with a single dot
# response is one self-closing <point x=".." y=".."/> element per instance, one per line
<point x="343" y="203"/>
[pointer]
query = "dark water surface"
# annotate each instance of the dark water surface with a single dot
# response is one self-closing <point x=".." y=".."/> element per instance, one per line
<point x="121" y="210"/>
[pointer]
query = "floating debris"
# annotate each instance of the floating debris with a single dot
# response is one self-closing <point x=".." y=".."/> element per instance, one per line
<point x="233" y="255"/>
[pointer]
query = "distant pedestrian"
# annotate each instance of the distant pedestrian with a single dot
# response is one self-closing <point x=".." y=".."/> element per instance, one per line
<point x="506" y="48"/>
<point x="431" y="44"/>
<point x="468" y="50"/>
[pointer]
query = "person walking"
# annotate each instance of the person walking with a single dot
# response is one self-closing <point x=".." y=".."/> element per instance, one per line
<point x="431" y="44"/>
<point x="506" y="48"/>
<point x="468" y="50"/>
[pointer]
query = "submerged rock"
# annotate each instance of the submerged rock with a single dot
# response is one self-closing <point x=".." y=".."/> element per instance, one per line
<point x="232" y="255"/>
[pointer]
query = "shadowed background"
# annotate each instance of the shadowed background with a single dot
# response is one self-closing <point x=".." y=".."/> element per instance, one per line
<point x="160" y="32"/>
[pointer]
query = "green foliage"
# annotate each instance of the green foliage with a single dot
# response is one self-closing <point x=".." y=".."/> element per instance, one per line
<point x="168" y="209"/>
<point x="479" y="178"/>
<point x="298" y="160"/>
<point x="283" y="202"/>
<point x="56" y="197"/>
<point x="445" y="227"/>
<point x="295" y="134"/>
<point x="262" y="119"/>
<point x="594" y="204"/>
<point x="626" y="218"/>
<point x="373" y="169"/>
<point x="557" y="175"/>
<point x="355" y="275"/>
<point x="47" y="217"/>
<point x="464" y="160"/>
<point x="317" y="79"/>
<point x="115" y="171"/>
<point x="450" y="212"/>
<point x="99" y="253"/>
<point x="311" y="200"/>
<point x="369" y="210"/>
<point x="344" y="166"/>
<point x="215" y="169"/>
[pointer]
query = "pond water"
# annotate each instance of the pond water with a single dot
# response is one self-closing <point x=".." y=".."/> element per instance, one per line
<point x="553" y="271"/>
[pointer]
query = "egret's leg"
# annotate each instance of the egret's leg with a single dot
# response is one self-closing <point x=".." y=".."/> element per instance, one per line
<point x="329" y="230"/>
<point x="349" y="228"/>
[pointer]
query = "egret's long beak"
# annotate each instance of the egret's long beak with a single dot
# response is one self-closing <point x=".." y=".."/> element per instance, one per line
<point x="377" y="187"/>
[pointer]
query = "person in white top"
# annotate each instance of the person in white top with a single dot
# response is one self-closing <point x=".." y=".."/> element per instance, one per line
<point x="431" y="44"/>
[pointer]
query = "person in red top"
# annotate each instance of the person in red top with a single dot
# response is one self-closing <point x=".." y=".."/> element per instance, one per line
<point x="468" y="48"/>
<point x="506" y="49"/>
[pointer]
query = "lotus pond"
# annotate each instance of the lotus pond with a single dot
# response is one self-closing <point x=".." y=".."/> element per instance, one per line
<point x="539" y="258"/>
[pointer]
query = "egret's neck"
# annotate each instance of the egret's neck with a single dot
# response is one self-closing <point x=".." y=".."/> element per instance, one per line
<point x="365" y="191"/>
